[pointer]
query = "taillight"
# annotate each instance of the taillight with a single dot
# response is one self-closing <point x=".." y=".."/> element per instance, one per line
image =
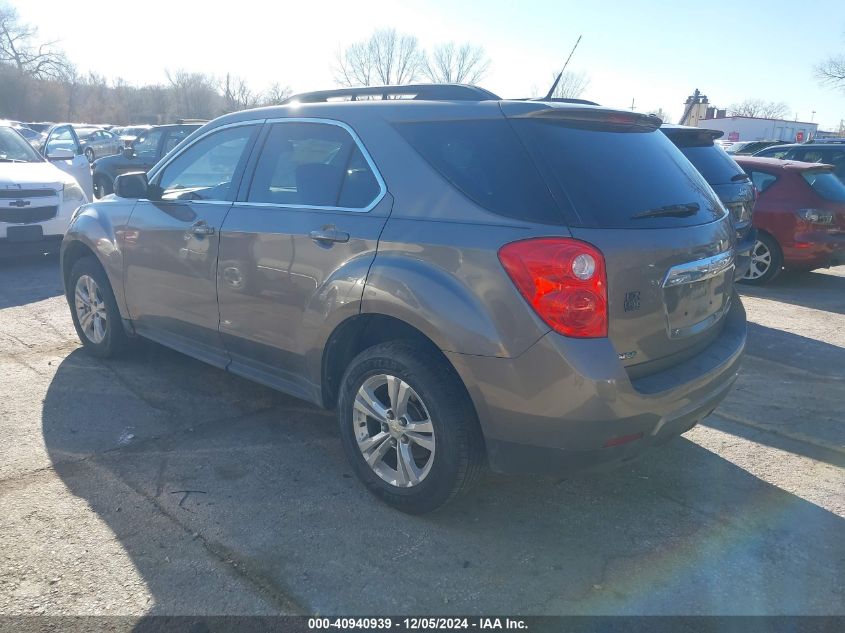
<point x="815" y="216"/>
<point x="564" y="280"/>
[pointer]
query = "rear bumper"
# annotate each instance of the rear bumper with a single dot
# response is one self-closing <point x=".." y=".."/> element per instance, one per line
<point x="815" y="250"/>
<point x="556" y="407"/>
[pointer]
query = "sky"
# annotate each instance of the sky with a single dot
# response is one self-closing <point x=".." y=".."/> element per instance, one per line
<point x="650" y="53"/>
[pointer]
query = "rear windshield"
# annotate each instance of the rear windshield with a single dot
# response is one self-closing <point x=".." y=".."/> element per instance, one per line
<point x="553" y="173"/>
<point x="610" y="176"/>
<point x="714" y="163"/>
<point x="826" y="184"/>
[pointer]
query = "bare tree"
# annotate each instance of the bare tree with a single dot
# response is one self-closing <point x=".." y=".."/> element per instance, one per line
<point x="571" y="85"/>
<point x="449" y="63"/>
<point x="237" y="94"/>
<point x="194" y="95"/>
<point x="275" y="94"/>
<point x="385" y="58"/>
<point x="18" y="48"/>
<point x="832" y="71"/>
<point x="759" y="109"/>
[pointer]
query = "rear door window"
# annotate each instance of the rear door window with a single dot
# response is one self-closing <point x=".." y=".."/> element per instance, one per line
<point x="313" y="165"/>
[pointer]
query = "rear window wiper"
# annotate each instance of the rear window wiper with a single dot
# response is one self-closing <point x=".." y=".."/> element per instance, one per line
<point x="741" y="176"/>
<point x="670" y="210"/>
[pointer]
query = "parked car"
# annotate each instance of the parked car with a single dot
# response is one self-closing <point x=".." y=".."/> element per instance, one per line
<point x="42" y="127"/>
<point x="800" y="217"/>
<point x="747" y="148"/>
<point x="539" y="286"/>
<point x="827" y="153"/>
<point x="63" y="148"/>
<point x="36" y="198"/>
<point x="129" y="134"/>
<point x="97" y="142"/>
<point x="728" y="180"/>
<point x="144" y="152"/>
<point x="32" y="137"/>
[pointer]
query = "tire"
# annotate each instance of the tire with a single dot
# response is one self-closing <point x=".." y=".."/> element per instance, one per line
<point x="102" y="335"/>
<point x="434" y="394"/>
<point x="89" y="154"/>
<point x="103" y="186"/>
<point x="766" y="261"/>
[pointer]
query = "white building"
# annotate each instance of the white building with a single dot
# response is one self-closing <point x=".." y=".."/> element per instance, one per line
<point x="746" y="128"/>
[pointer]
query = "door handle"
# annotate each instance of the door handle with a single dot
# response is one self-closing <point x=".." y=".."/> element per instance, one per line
<point x="201" y="228"/>
<point x="329" y="234"/>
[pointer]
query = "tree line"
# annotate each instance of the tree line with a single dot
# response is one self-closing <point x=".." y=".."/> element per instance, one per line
<point x="40" y="83"/>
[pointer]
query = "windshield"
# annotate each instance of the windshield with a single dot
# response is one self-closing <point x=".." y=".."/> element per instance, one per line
<point x="14" y="148"/>
<point x="826" y="184"/>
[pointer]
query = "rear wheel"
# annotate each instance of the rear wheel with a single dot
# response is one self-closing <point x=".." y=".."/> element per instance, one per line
<point x="766" y="260"/>
<point x="94" y="309"/>
<point x="408" y="428"/>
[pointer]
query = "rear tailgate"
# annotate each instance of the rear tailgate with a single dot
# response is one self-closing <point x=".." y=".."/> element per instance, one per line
<point x="668" y="242"/>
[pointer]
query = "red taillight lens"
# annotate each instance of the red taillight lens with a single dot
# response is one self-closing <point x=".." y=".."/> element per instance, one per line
<point x="564" y="280"/>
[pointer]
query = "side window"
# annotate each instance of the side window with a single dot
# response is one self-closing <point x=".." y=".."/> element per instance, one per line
<point x="204" y="171"/>
<point x="146" y="146"/>
<point x="762" y="180"/>
<point x="312" y="164"/>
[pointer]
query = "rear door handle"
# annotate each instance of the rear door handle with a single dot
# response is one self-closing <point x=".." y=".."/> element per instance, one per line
<point x="202" y="228"/>
<point x="329" y="235"/>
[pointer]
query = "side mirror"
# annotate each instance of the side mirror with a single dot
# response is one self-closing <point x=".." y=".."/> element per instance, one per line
<point x="129" y="152"/>
<point x="60" y="153"/>
<point x="133" y="185"/>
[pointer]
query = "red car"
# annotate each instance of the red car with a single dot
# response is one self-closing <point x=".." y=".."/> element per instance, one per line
<point x="799" y="216"/>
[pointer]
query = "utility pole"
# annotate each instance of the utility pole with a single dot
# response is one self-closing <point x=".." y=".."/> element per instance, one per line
<point x="633" y="107"/>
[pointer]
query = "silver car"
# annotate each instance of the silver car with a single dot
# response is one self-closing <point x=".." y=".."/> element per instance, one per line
<point x="97" y="142"/>
<point x="536" y="286"/>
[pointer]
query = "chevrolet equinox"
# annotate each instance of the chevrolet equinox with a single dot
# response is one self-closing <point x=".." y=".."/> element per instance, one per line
<point x="468" y="280"/>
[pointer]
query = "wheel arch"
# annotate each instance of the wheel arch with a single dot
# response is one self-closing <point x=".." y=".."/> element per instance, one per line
<point x="359" y="332"/>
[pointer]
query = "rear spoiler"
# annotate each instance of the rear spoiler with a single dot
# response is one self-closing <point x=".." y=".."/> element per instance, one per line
<point x="578" y="115"/>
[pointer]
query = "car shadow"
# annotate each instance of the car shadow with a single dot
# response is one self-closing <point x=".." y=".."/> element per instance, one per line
<point x="260" y="482"/>
<point x="796" y="351"/>
<point x="816" y="289"/>
<point x="29" y="279"/>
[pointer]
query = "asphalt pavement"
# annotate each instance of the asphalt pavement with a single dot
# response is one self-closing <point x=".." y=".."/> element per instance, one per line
<point x="156" y="484"/>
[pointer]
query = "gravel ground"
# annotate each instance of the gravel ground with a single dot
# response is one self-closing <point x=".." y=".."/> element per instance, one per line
<point x="155" y="484"/>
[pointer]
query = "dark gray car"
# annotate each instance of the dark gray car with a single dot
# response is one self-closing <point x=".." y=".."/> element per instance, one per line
<point x="539" y="286"/>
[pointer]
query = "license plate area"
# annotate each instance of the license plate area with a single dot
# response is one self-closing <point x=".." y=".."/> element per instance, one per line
<point x="697" y="294"/>
<point x="33" y="233"/>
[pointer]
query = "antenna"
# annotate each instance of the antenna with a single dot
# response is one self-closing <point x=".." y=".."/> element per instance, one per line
<point x="560" y="74"/>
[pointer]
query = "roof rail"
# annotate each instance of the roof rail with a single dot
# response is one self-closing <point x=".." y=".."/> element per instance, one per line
<point x="427" y="92"/>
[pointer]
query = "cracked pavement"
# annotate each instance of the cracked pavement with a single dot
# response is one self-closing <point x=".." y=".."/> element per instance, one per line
<point x="742" y="515"/>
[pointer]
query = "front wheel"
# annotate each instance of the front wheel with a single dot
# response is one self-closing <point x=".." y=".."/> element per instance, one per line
<point x="408" y="428"/>
<point x="766" y="261"/>
<point x="94" y="309"/>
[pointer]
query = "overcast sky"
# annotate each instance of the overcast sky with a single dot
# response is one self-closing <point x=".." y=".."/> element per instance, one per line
<point x="652" y="52"/>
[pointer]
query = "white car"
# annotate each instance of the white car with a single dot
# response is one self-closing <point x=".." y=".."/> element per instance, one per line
<point x="37" y="199"/>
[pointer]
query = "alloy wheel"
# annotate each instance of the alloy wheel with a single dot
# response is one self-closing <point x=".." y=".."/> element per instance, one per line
<point x="393" y="430"/>
<point x="761" y="261"/>
<point x="90" y="309"/>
